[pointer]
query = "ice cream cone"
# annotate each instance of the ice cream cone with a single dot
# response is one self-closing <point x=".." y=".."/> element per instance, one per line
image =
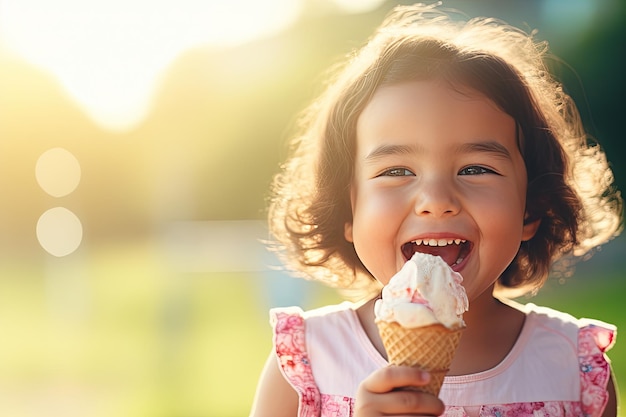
<point x="430" y="348"/>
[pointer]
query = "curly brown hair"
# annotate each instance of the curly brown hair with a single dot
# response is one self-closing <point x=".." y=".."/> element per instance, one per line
<point x="569" y="180"/>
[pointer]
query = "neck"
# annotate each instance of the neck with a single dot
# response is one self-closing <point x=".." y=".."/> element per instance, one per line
<point x="481" y="309"/>
<point x="492" y="328"/>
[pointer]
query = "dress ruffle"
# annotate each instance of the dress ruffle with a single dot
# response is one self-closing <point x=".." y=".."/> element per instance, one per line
<point x="290" y="345"/>
<point x="594" y="340"/>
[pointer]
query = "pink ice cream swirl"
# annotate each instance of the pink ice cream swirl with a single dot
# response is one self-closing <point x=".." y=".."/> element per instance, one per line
<point x="425" y="291"/>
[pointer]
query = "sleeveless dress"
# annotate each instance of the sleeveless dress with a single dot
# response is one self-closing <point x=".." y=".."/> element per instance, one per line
<point x="557" y="366"/>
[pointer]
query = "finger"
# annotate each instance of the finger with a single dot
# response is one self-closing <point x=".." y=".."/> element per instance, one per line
<point x="410" y="402"/>
<point x="394" y="377"/>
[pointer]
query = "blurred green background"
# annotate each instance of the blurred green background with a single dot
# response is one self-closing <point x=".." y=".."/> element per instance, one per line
<point x="161" y="309"/>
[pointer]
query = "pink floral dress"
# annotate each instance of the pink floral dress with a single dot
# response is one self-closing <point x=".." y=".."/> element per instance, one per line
<point x="593" y="338"/>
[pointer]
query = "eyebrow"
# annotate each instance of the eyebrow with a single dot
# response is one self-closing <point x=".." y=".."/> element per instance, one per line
<point x="387" y="150"/>
<point x="487" y="146"/>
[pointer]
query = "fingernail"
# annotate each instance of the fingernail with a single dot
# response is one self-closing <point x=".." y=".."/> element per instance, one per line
<point x="425" y="376"/>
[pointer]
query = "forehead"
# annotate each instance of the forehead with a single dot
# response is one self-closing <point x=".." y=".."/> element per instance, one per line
<point x="432" y="109"/>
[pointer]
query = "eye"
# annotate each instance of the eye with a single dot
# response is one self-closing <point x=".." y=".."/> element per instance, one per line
<point x="397" y="172"/>
<point x="476" y="170"/>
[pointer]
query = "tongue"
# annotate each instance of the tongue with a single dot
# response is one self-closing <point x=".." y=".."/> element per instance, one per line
<point x="449" y="253"/>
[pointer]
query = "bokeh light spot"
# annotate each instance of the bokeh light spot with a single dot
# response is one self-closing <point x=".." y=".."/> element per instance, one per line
<point x="58" y="172"/>
<point x="59" y="231"/>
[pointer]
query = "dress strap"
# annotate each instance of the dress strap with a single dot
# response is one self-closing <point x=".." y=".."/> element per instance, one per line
<point x="290" y="348"/>
<point x="594" y="339"/>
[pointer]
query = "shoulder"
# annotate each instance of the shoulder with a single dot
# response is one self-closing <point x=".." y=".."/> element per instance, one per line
<point x="549" y="316"/>
<point x="591" y="339"/>
<point x="298" y="336"/>
<point x="295" y="316"/>
<point x="555" y="330"/>
<point x="566" y="323"/>
<point x="303" y="332"/>
<point x="308" y="329"/>
<point x="316" y="312"/>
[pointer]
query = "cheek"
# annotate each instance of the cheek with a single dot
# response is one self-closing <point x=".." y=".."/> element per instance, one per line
<point x="372" y="211"/>
<point x="502" y="231"/>
<point x="374" y="231"/>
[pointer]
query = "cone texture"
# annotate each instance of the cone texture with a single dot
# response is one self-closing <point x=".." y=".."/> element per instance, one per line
<point x="430" y="348"/>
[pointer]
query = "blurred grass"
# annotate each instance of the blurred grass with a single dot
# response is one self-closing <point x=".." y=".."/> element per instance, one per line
<point x="138" y="339"/>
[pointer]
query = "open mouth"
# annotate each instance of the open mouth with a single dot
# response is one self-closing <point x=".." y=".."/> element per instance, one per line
<point x="452" y="251"/>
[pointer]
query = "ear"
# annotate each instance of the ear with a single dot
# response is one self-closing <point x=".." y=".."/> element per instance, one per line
<point x="530" y="228"/>
<point x="347" y="232"/>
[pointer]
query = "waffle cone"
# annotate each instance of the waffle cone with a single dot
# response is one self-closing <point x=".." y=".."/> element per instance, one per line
<point x="430" y="348"/>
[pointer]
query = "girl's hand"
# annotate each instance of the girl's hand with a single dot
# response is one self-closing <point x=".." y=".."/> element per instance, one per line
<point x="382" y="394"/>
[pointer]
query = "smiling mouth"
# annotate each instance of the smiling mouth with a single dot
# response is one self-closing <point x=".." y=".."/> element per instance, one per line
<point x="452" y="251"/>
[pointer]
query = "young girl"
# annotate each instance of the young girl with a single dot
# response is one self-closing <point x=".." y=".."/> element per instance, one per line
<point x="448" y="138"/>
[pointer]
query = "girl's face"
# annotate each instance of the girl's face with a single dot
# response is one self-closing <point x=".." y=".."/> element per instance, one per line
<point x="439" y="172"/>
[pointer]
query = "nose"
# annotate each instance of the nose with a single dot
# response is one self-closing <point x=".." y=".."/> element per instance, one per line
<point x="436" y="198"/>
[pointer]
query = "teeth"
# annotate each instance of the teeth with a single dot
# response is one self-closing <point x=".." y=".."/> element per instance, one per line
<point x="438" y="242"/>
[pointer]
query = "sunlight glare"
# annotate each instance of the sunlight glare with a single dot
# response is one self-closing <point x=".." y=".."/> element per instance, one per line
<point x="358" y="6"/>
<point x="109" y="54"/>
